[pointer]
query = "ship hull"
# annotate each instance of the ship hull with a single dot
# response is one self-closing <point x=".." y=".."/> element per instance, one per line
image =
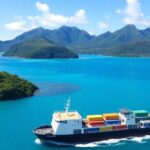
<point x="93" y="137"/>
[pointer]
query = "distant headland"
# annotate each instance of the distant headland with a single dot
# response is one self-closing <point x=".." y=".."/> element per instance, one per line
<point x="12" y="87"/>
<point x="39" y="48"/>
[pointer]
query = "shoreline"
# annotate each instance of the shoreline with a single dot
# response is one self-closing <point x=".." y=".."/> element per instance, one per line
<point x="80" y="57"/>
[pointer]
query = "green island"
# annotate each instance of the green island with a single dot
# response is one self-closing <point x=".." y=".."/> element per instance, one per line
<point x="40" y="48"/>
<point x="12" y="87"/>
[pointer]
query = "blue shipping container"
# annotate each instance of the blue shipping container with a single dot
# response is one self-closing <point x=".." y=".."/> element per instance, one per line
<point x="111" y="122"/>
<point x="91" y="130"/>
<point x="146" y="125"/>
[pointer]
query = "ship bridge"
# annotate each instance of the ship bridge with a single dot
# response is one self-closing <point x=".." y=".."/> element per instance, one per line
<point x="66" y="122"/>
<point x="64" y="116"/>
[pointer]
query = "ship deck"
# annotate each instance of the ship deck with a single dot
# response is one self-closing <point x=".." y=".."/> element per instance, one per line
<point x="44" y="130"/>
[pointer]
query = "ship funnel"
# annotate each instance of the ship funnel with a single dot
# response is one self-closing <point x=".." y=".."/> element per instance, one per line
<point x="67" y="105"/>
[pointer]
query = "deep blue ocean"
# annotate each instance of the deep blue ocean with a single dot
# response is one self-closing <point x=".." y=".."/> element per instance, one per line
<point x="96" y="84"/>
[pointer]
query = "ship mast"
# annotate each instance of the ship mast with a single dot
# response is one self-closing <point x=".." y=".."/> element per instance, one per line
<point x="67" y="105"/>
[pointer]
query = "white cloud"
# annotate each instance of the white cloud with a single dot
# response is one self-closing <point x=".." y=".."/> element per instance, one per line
<point x="103" y="25"/>
<point x="79" y="17"/>
<point x="133" y="13"/>
<point x="16" y="26"/>
<point x="42" y="6"/>
<point x="48" y="19"/>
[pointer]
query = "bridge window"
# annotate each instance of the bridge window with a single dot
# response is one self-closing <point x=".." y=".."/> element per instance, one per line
<point x="77" y="131"/>
<point x="64" y="121"/>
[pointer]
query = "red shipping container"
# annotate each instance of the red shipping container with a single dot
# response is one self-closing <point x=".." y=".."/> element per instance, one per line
<point x="97" y="123"/>
<point x="120" y="127"/>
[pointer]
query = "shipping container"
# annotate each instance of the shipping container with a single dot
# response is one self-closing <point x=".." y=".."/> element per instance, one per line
<point x="111" y="116"/>
<point x="91" y="130"/>
<point x="112" y="122"/>
<point x="140" y="113"/>
<point x="106" y="128"/>
<point x="138" y="119"/>
<point x="119" y="127"/>
<point x="95" y="118"/>
<point x="145" y="124"/>
<point x="97" y="123"/>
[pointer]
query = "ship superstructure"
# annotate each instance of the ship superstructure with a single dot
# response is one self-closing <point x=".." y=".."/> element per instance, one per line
<point x="66" y="122"/>
<point x="69" y="127"/>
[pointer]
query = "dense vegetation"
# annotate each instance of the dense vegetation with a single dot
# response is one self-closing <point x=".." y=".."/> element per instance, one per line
<point x="12" y="87"/>
<point x="79" y="41"/>
<point x="40" y="48"/>
<point x="136" y="49"/>
<point x="132" y="49"/>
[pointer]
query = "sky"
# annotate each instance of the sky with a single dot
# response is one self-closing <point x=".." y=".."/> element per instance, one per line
<point x="94" y="16"/>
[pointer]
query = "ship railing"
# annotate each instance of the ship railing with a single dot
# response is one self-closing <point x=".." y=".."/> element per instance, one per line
<point x="63" y="111"/>
<point x="44" y="129"/>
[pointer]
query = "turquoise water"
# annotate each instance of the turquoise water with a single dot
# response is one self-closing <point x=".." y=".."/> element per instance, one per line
<point x="95" y="83"/>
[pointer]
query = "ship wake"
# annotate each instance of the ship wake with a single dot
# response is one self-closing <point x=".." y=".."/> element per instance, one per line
<point x="116" y="141"/>
<point x="109" y="142"/>
<point x="37" y="141"/>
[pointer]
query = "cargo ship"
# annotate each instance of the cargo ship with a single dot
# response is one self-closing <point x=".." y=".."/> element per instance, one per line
<point x="68" y="127"/>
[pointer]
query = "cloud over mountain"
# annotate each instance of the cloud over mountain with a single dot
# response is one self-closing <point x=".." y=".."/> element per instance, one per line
<point x="47" y="19"/>
<point x="132" y="13"/>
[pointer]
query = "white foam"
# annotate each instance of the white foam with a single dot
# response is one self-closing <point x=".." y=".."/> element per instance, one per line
<point x="100" y="143"/>
<point x="38" y="141"/>
<point x="116" y="141"/>
<point x="59" y="143"/>
<point x="137" y="139"/>
<point x="140" y="139"/>
<point x="87" y="145"/>
<point x="109" y="142"/>
<point x="147" y="137"/>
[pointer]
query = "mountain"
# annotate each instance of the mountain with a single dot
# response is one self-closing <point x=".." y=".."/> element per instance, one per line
<point x="132" y="49"/>
<point x="39" y="48"/>
<point x="5" y="45"/>
<point x="147" y="32"/>
<point x="70" y="36"/>
<point x="79" y="41"/>
<point x="125" y="35"/>
<point x="100" y="41"/>
<point x="63" y="35"/>
<point x="67" y="36"/>
<point x="136" y="49"/>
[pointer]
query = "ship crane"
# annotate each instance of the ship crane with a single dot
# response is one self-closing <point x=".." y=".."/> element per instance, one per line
<point x="67" y="105"/>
